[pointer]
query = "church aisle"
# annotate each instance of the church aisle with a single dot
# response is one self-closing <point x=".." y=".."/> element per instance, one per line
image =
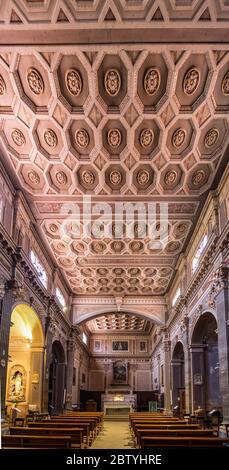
<point x="115" y="435"/>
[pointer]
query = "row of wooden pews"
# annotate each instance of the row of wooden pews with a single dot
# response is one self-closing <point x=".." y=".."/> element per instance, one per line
<point x="156" y="430"/>
<point x="70" y="430"/>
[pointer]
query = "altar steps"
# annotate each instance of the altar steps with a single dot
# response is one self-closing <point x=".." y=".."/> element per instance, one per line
<point x="116" y="418"/>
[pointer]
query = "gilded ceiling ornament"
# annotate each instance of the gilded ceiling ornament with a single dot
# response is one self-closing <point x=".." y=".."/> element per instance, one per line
<point x="18" y="137"/>
<point x="143" y="177"/>
<point x="181" y="228"/>
<point x="112" y="82"/>
<point x="211" y="137"/>
<point x="173" y="246"/>
<point x="191" y="81"/>
<point x="61" y="177"/>
<point x="73" y="82"/>
<point x="33" y="177"/>
<point x="50" y="138"/>
<point x="117" y="246"/>
<point x="146" y="138"/>
<point x="170" y="177"/>
<point x="35" y="81"/>
<point x="136" y="246"/>
<point x="150" y="272"/>
<point x="53" y="228"/>
<point x="225" y="84"/>
<point x="118" y="271"/>
<point x="134" y="271"/>
<point x="118" y="289"/>
<point x="152" y="81"/>
<point x="82" y="138"/>
<point x="114" y="137"/>
<point x="98" y="247"/>
<point x="115" y="177"/>
<point x="102" y="271"/>
<point x="198" y="178"/>
<point x="2" y="85"/>
<point x="88" y="177"/>
<point x="118" y="280"/>
<point x="78" y="246"/>
<point x="178" y="137"/>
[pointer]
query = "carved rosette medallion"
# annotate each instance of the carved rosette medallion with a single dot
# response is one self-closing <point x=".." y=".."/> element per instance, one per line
<point x="73" y="82"/>
<point x="35" y="81"/>
<point x="117" y="246"/>
<point x="191" y="81"/>
<point x="53" y="228"/>
<point x="88" y="177"/>
<point x="211" y="137"/>
<point x="18" y="137"/>
<point x="170" y="178"/>
<point x="61" y="178"/>
<point x="178" y="137"/>
<point x="199" y="178"/>
<point x="82" y="138"/>
<point x="50" y="138"/>
<point x="114" y="138"/>
<point x="146" y="138"/>
<point x="143" y="177"/>
<point x="112" y="82"/>
<point x="152" y="80"/>
<point x="33" y="177"/>
<point x="2" y="86"/>
<point x="115" y="177"/>
<point x="225" y="84"/>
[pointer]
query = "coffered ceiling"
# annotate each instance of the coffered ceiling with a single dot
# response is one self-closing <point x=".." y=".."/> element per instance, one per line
<point x="118" y="321"/>
<point x="118" y="123"/>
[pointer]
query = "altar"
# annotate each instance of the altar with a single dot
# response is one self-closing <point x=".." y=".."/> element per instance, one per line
<point x="118" y="402"/>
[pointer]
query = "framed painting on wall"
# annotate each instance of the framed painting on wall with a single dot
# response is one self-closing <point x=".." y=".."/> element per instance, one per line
<point x="97" y="346"/>
<point x="120" y="346"/>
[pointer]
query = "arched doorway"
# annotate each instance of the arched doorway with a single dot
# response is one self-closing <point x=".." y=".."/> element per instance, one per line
<point x="25" y="361"/>
<point x="205" y="363"/>
<point x="57" y="379"/>
<point x="178" y="377"/>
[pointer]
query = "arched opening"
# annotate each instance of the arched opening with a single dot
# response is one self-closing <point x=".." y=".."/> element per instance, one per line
<point x="56" y="379"/>
<point x="205" y="364"/>
<point x="25" y="362"/>
<point x="178" y="378"/>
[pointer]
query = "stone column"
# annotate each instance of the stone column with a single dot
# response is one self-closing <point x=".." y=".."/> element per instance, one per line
<point x="70" y="365"/>
<point x="187" y="362"/>
<point x="167" y="371"/>
<point x="12" y="290"/>
<point x="47" y="356"/>
<point x="222" y="309"/>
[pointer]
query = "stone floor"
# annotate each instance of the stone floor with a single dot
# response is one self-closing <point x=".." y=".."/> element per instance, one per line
<point x="115" y="435"/>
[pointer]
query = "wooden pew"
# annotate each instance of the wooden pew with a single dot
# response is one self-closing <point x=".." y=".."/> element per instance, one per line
<point x="76" y="434"/>
<point x="93" y="429"/>
<point x="148" y="442"/>
<point x="171" y="433"/>
<point x="36" y="442"/>
<point x="85" y="427"/>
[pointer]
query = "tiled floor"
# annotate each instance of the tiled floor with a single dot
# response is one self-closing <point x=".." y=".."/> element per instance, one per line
<point x="115" y="435"/>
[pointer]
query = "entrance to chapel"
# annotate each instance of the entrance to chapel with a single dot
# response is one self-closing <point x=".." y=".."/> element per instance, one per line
<point x="57" y="379"/>
<point x="178" y="379"/>
<point x="25" y="361"/>
<point x="205" y="364"/>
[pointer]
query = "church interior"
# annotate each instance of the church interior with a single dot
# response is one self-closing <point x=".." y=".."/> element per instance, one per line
<point x="114" y="223"/>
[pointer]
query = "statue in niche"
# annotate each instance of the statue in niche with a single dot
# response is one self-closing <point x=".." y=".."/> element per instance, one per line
<point x="17" y="384"/>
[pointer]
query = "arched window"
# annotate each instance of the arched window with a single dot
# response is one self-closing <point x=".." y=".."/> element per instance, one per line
<point x="60" y="297"/>
<point x="42" y="275"/>
<point x="176" y="296"/>
<point x="196" y="259"/>
<point x="84" y="338"/>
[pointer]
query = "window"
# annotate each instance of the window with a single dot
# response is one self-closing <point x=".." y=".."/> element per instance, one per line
<point x="176" y="296"/>
<point x="84" y="338"/>
<point x="60" y="297"/>
<point x="196" y="259"/>
<point x="162" y="375"/>
<point x="42" y="275"/>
